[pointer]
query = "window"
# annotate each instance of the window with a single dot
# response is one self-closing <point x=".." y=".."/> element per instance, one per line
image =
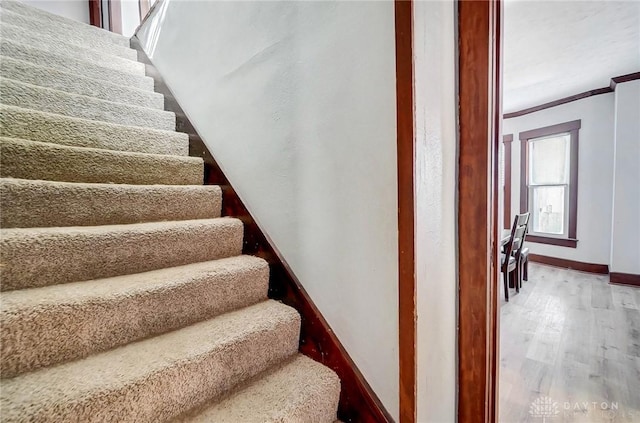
<point x="549" y="183"/>
<point x="505" y="175"/>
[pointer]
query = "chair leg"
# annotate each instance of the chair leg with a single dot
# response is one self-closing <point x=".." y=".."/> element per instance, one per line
<point x="514" y="279"/>
<point x="525" y="270"/>
<point x="505" y="278"/>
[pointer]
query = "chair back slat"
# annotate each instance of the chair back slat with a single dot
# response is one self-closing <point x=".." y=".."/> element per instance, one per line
<point x="518" y="233"/>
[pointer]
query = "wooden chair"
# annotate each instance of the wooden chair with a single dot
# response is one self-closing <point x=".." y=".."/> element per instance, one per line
<point x="521" y="254"/>
<point x="508" y="262"/>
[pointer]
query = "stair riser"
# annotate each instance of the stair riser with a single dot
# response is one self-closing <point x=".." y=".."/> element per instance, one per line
<point x="35" y="160"/>
<point x="34" y="204"/>
<point x="27" y="36"/>
<point x="40" y="257"/>
<point x="15" y="93"/>
<point x="52" y="128"/>
<point x="19" y="35"/>
<point x="300" y="390"/>
<point x="43" y="22"/>
<point x="178" y="388"/>
<point x="52" y="332"/>
<point x="69" y="64"/>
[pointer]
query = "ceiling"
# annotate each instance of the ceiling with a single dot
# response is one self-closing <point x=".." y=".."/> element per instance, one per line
<point x="555" y="49"/>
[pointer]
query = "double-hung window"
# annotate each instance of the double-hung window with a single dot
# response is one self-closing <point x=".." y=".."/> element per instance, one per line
<point x="549" y="183"/>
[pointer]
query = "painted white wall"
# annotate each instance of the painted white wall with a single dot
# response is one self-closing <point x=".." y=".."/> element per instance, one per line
<point x="73" y="9"/>
<point x="130" y="16"/>
<point x="595" y="173"/>
<point x="296" y="101"/>
<point x="435" y="104"/>
<point x="625" y="236"/>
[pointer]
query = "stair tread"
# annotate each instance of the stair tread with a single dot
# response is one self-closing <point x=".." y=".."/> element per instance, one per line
<point x="155" y="377"/>
<point x="34" y="257"/>
<point x="35" y="125"/>
<point x="36" y="203"/>
<point x="35" y="74"/>
<point x="41" y="18"/>
<point x="49" y="325"/>
<point x="114" y="51"/>
<point x="40" y="160"/>
<point x="67" y="62"/>
<point x="44" y="99"/>
<point x="299" y="390"/>
<point x="24" y="36"/>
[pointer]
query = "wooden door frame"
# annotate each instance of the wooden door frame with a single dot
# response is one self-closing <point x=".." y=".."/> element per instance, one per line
<point x="479" y="84"/>
<point x="406" y="141"/>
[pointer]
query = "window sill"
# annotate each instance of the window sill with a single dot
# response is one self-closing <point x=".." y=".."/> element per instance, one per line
<point x="563" y="242"/>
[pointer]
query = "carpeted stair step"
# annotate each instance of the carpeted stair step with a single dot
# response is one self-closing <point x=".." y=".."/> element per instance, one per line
<point x="17" y="122"/>
<point x="20" y="94"/>
<point x="28" y="36"/>
<point x="31" y="73"/>
<point x="34" y="257"/>
<point x="32" y="204"/>
<point x="44" y="22"/>
<point x="299" y="390"/>
<point x="20" y="35"/>
<point x="60" y="323"/>
<point x="158" y="378"/>
<point x="38" y="160"/>
<point x="67" y="63"/>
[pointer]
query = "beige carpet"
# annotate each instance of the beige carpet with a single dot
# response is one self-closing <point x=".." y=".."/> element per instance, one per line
<point x="124" y="293"/>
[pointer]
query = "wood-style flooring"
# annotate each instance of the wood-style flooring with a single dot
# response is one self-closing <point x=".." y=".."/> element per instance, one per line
<point x="570" y="340"/>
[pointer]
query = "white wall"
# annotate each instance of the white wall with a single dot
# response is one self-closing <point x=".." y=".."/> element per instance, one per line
<point x="130" y="16"/>
<point x="296" y="101"/>
<point x="625" y="237"/>
<point x="72" y="9"/>
<point x="435" y="103"/>
<point x="595" y="173"/>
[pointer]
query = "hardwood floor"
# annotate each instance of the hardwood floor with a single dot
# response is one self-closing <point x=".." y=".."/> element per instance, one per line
<point x="574" y="338"/>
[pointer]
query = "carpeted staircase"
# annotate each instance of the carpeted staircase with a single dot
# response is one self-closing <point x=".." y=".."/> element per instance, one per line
<point x="125" y="295"/>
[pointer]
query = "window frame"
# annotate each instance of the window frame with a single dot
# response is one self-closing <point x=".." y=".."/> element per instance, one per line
<point x="572" y="128"/>
<point x="507" y="218"/>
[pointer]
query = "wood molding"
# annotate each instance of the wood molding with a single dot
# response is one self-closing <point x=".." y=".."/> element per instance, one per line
<point x="95" y="13"/>
<point x="623" y="78"/>
<point x="406" y="210"/>
<point x="115" y="16"/>
<point x="358" y="402"/>
<point x="624" y="278"/>
<point x="601" y="269"/>
<point x="479" y="44"/>
<point x="573" y="128"/>
<point x="507" y="141"/>
<point x="562" y="242"/>
<point x="611" y="88"/>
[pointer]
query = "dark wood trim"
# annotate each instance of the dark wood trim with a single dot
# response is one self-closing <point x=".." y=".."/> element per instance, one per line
<point x="623" y="78"/>
<point x="573" y="128"/>
<point x="358" y="402"/>
<point x="559" y="102"/>
<point x="559" y="128"/>
<point x="601" y="269"/>
<point x="605" y="90"/>
<point x="479" y="84"/>
<point x="115" y="16"/>
<point x="95" y="13"/>
<point x="406" y="210"/>
<point x="563" y="242"/>
<point x="624" y="278"/>
<point x="507" y="141"/>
